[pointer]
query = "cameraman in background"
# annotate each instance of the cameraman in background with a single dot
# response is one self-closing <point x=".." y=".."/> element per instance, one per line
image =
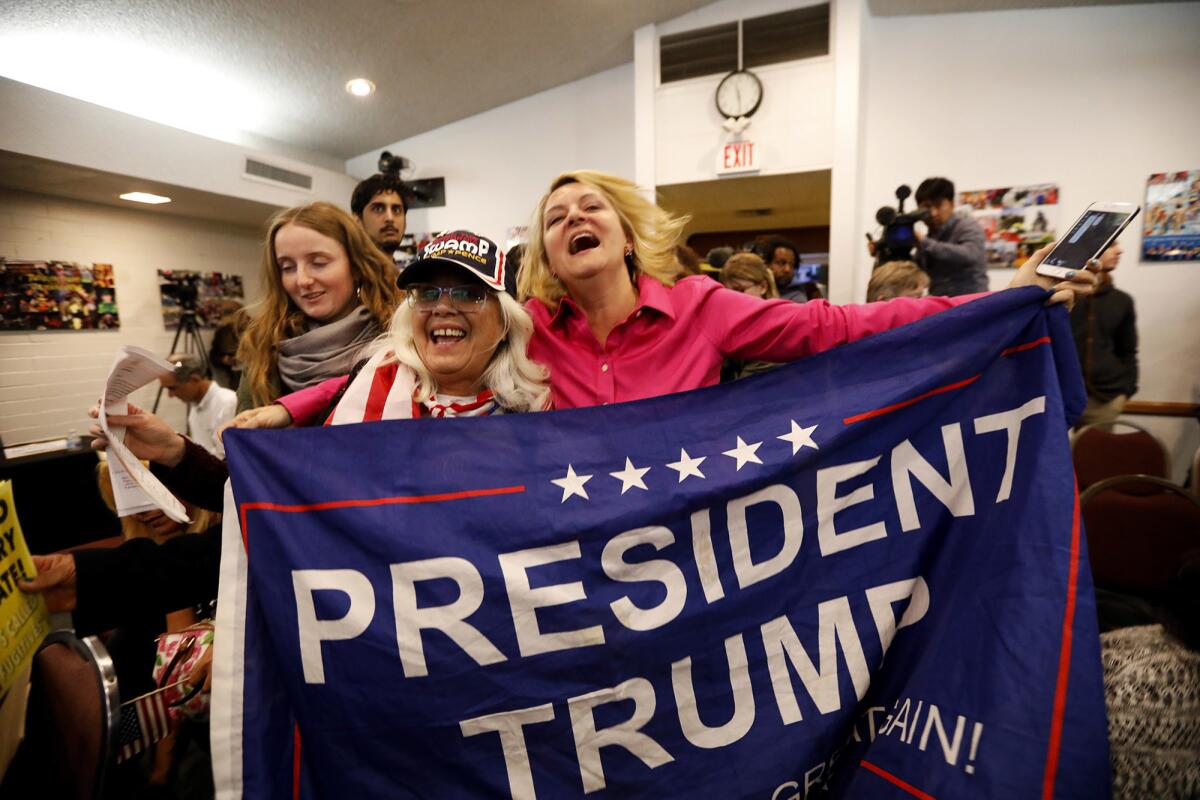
<point x="952" y="251"/>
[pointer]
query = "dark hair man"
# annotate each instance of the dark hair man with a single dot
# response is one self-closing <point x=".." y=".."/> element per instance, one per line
<point x="1105" y="329"/>
<point x="380" y="203"/>
<point x="952" y="252"/>
<point x="781" y="256"/>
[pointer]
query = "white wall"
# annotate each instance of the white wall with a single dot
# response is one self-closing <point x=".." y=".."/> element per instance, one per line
<point x="1094" y="99"/>
<point x="48" y="379"/>
<point x="40" y="123"/>
<point x="792" y="130"/>
<point x="497" y="164"/>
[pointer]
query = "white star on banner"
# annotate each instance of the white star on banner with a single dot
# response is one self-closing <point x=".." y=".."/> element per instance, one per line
<point x="572" y="484"/>
<point x="800" y="437"/>
<point x="687" y="466"/>
<point x="631" y="476"/>
<point x="744" y="453"/>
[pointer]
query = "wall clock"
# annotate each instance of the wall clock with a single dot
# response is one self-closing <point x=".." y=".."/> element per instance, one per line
<point x="739" y="94"/>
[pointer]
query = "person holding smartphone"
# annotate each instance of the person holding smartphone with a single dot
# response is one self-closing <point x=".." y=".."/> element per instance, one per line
<point x="1105" y="329"/>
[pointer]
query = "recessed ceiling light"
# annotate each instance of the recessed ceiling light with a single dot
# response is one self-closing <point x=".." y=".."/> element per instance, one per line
<point x="145" y="197"/>
<point x="360" y="87"/>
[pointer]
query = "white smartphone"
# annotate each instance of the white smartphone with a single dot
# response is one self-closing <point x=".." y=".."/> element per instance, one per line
<point x="1090" y="236"/>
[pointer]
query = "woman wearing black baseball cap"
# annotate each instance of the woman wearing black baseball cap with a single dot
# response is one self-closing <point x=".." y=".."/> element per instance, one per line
<point x="456" y="346"/>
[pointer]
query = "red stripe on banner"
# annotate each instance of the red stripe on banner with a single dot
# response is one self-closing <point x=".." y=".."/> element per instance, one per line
<point x="1027" y="346"/>
<point x="887" y="776"/>
<point x="158" y="710"/>
<point x="145" y="722"/>
<point x="152" y="715"/>
<point x="381" y="384"/>
<point x="879" y="412"/>
<point x="905" y="403"/>
<point x="1064" y="662"/>
<point x="296" y="763"/>
<point x="373" y="501"/>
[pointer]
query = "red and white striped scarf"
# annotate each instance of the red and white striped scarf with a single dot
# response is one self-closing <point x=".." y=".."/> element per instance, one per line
<point x="385" y="391"/>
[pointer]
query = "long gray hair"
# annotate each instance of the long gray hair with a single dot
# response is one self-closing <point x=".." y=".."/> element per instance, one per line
<point x="517" y="382"/>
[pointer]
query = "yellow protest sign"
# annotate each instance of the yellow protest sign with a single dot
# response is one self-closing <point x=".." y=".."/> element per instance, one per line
<point x="24" y="621"/>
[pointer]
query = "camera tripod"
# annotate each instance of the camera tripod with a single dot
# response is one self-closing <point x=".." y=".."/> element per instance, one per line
<point x="189" y="331"/>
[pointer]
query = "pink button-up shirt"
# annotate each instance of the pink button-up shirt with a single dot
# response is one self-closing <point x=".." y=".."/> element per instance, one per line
<point x="675" y="340"/>
<point x="677" y="337"/>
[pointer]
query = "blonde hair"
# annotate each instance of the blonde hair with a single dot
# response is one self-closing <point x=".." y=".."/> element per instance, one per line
<point x="134" y="528"/>
<point x="748" y="267"/>
<point x="896" y="279"/>
<point x="277" y="318"/>
<point x="517" y="381"/>
<point x="652" y="231"/>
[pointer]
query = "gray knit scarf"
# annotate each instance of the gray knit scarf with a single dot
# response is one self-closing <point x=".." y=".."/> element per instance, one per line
<point x="325" y="352"/>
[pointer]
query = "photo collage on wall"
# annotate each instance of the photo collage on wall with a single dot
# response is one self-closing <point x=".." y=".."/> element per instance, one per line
<point x="214" y="295"/>
<point x="1016" y="220"/>
<point x="57" y="295"/>
<point x="410" y="247"/>
<point x="1171" y="218"/>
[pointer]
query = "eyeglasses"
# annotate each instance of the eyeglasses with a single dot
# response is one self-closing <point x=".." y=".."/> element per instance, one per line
<point x="468" y="298"/>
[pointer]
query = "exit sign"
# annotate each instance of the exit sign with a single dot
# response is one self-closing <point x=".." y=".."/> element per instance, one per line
<point x="738" y="157"/>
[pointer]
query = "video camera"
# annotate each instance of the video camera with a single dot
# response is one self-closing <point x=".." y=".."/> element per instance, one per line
<point x="898" y="239"/>
<point x="392" y="165"/>
<point x="185" y="288"/>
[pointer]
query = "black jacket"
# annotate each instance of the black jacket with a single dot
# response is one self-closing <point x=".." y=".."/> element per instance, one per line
<point x="140" y="580"/>
<point x="1105" y="329"/>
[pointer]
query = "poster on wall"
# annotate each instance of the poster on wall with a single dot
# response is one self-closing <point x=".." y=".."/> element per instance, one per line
<point x="1171" y="222"/>
<point x="1016" y="220"/>
<point x="517" y="234"/>
<point x="213" y="294"/>
<point x="57" y="295"/>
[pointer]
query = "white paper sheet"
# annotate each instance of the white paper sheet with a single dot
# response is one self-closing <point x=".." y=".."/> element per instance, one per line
<point x="134" y="487"/>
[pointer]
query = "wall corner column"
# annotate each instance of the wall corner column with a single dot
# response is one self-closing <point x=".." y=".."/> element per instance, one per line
<point x="645" y="70"/>
<point x="850" y="266"/>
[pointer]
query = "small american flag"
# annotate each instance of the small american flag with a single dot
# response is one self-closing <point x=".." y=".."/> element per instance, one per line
<point x="144" y="721"/>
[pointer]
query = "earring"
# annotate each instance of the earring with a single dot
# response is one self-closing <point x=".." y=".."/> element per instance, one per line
<point x="628" y="249"/>
<point x="358" y="292"/>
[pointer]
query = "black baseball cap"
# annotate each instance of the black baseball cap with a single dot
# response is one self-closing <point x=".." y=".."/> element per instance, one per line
<point x="476" y="254"/>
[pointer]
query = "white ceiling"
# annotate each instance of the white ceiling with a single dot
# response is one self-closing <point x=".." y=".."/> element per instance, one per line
<point x="41" y="176"/>
<point x="897" y="8"/>
<point x="796" y="200"/>
<point x="278" y="69"/>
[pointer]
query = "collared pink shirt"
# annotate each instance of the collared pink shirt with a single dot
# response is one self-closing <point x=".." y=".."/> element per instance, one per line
<point x="677" y="337"/>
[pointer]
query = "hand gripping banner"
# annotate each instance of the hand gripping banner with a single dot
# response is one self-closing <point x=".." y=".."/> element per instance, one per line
<point x="860" y="575"/>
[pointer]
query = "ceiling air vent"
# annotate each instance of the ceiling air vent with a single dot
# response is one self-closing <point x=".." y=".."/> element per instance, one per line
<point x="269" y="173"/>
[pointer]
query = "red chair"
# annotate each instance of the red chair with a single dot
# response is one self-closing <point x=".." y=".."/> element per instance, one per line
<point x="1139" y="529"/>
<point x="1100" y="452"/>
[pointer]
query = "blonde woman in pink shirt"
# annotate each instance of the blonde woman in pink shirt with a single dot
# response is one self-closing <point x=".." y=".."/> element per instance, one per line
<point x="613" y="321"/>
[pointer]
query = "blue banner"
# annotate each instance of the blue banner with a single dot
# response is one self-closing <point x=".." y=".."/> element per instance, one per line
<point x="860" y="575"/>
